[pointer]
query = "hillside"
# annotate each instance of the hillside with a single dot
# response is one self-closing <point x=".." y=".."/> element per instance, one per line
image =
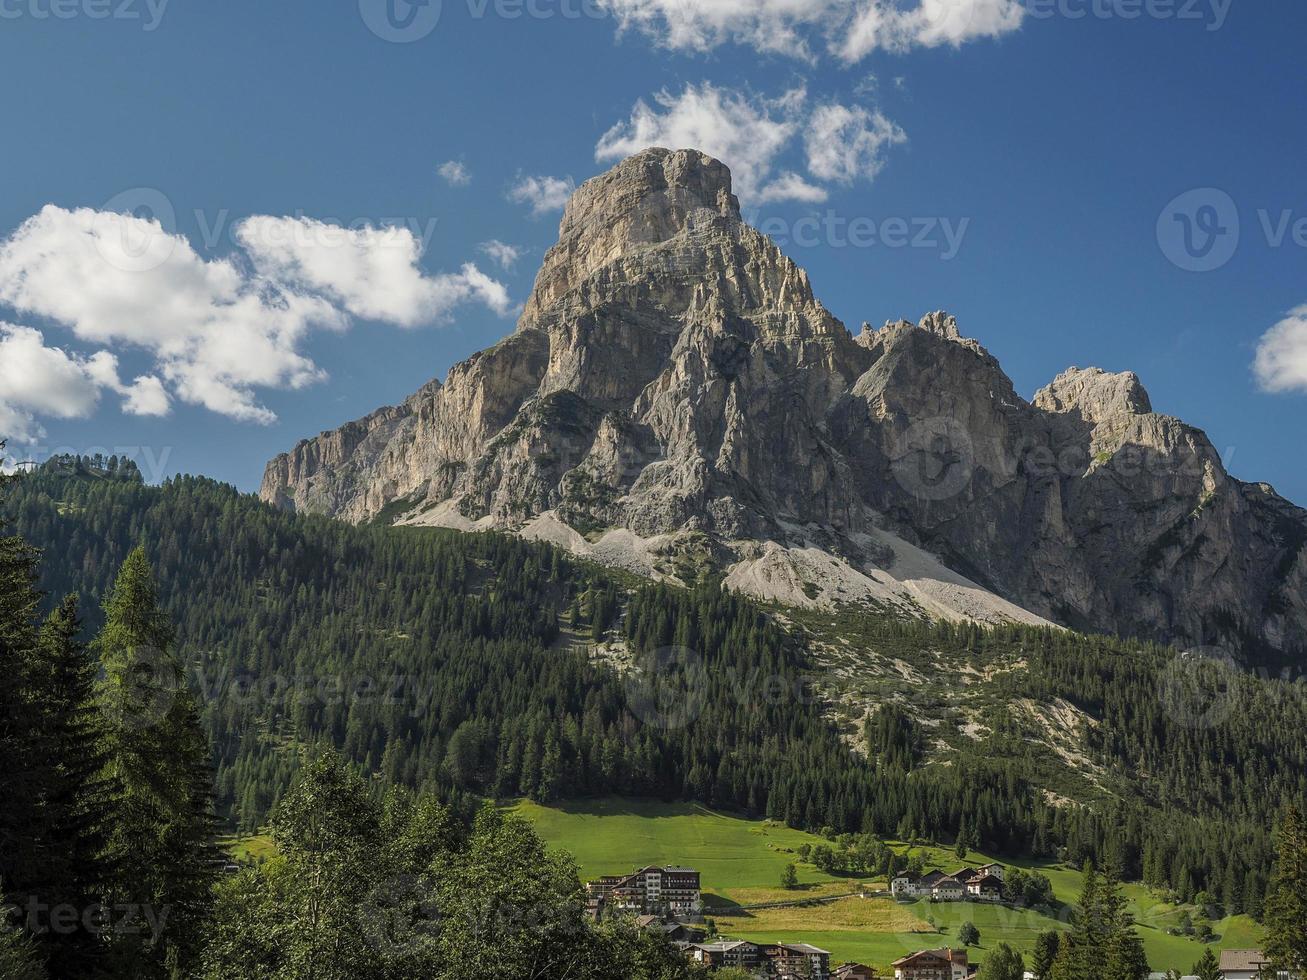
<point x="483" y="665"/>
<point x="741" y="863"/>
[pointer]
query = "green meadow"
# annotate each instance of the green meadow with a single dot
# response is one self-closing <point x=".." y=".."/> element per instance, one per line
<point x="742" y="860"/>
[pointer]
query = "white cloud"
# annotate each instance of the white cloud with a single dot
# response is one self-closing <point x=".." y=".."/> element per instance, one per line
<point x="744" y="132"/>
<point x="849" y="29"/>
<point x="789" y="186"/>
<point x="751" y="135"/>
<point x="217" y="332"/>
<point x="455" y="173"/>
<point x="1281" y="363"/>
<point x="36" y="380"/>
<point x="845" y="143"/>
<point x="543" y="194"/>
<point x="116" y="279"/>
<point x="777" y="26"/>
<point x="881" y="25"/>
<point x="372" y="273"/>
<point x="506" y="255"/>
<point x="146" y="394"/>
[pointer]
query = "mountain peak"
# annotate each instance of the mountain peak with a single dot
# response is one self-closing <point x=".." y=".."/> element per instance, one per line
<point x="645" y="200"/>
<point x="1094" y="394"/>
<point x="676" y="397"/>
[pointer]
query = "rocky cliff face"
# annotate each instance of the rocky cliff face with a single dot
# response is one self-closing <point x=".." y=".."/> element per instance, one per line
<point x="675" y="395"/>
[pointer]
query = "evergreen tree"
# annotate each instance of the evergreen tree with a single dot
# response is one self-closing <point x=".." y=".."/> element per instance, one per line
<point x="162" y="838"/>
<point x="1103" y="943"/>
<point x="1045" y="953"/>
<point x="1208" y="968"/>
<point x="1003" y="963"/>
<point x="1286" y="903"/>
<point x="789" y="877"/>
<point x="26" y="778"/>
<point x="1079" y="949"/>
<point x="19" y="959"/>
<point x="78" y="811"/>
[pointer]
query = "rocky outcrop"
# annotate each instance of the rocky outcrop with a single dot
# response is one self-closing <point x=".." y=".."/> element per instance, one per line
<point x="673" y="378"/>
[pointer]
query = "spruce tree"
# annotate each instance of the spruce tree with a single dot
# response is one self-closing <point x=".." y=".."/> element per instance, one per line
<point x="1046" y="947"/>
<point x="1286" y="904"/>
<point x="30" y="867"/>
<point x="162" y="839"/>
<point x="1208" y="968"/>
<point x="78" y="810"/>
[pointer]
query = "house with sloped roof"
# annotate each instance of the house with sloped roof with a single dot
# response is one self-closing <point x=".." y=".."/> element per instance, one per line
<point x="932" y="964"/>
<point x="1248" y="964"/>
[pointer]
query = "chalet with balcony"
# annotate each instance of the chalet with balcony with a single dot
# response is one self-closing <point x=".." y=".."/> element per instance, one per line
<point x="933" y="964"/>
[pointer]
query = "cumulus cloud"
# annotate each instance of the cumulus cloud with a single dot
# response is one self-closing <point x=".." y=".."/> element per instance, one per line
<point x="881" y="25"/>
<point x="36" y="380"/>
<point x="372" y="273"/>
<point x="455" y="173"/>
<point x="789" y="186"/>
<point x="844" y="144"/>
<point x="745" y="132"/>
<point x="542" y="194"/>
<point x="751" y="134"/>
<point x="219" y="329"/>
<point x="506" y="255"/>
<point x="848" y="29"/>
<point x="1281" y="364"/>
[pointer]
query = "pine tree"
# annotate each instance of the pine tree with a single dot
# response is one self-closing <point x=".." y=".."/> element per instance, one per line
<point x="1046" y="947"/>
<point x="1207" y="968"/>
<point x="1078" y="951"/>
<point x="78" y="810"/>
<point x="1286" y="904"/>
<point x="30" y="867"/>
<point x="162" y="839"/>
<point x="1125" y="959"/>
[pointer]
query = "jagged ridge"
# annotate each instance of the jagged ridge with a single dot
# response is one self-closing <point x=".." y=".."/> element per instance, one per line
<point x="673" y="377"/>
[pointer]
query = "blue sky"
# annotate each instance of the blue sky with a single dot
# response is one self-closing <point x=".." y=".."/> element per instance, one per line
<point x="1048" y="140"/>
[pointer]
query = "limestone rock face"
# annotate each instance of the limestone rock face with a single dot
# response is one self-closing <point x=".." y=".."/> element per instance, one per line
<point x="674" y="388"/>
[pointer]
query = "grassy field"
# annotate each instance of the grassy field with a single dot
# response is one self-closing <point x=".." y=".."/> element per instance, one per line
<point x="249" y="850"/>
<point x="741" y="862"/>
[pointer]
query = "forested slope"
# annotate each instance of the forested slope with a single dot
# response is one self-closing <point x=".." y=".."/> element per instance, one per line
<point x="464" y="665"/>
